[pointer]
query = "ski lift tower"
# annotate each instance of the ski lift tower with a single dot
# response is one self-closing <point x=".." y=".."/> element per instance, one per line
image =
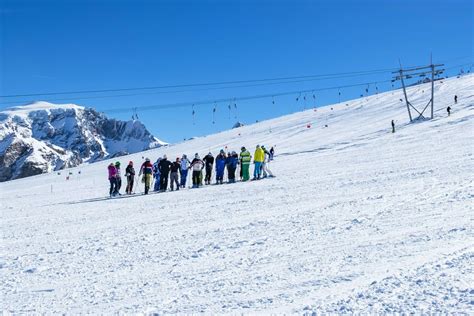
<point x="417" y="72"/>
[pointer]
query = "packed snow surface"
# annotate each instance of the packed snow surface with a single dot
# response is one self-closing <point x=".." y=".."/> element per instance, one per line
<point x="358" y="219"/>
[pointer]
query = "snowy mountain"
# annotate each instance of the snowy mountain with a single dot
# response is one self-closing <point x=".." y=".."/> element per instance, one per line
<point x="357" y="220"/>
<point x="238" y="124"/>
<point x="42" y="137"/>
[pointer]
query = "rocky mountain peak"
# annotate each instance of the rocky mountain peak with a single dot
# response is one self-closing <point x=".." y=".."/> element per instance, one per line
<point x="43" y="137"/>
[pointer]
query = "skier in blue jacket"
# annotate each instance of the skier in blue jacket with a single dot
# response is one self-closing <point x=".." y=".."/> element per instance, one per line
<point x="231" y="162"/>
<point x="220" y="167"/>
<point x="157" y="175"/>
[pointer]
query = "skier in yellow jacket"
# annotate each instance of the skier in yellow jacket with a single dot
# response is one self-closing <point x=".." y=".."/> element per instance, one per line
<point x="258" y="159"/>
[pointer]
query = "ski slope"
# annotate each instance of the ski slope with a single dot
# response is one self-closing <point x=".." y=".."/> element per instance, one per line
<point x="357" y="220"/>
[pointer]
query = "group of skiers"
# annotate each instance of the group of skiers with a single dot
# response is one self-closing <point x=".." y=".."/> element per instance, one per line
<point x="177" y="171"/>
<point x="448" y="109"/>
<point x="115" y="178"/>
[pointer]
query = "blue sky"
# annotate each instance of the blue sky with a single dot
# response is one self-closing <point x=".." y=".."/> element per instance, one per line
<point x="56" y="46"/>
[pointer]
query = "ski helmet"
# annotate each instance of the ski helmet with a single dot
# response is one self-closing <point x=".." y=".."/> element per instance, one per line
<point x="165" y="157"/>
<point x="117" y="163"/>
<point x="243" y="148"/>
<point x="147" y="159"/>
<point x="130" y="163"/>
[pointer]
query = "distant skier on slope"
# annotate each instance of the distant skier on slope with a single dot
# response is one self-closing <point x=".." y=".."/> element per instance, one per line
<point x="197" y="165"/>
<point x="119" y="178"/>
<point x="393" y="126"/>
<point x="112" y="179"/>
<point x="259" y="157"/>
<point x="147" y="170"/>
<point x="455" y="99"/>
<point x="209" y="161"/>
<point x="220" y="167"/>
<point x="185" y="163"/>
<point x="245" y="159"/>
<point x="231" y="163"/>
<point x="272" y="152"/>
<point x="174" y="175"/>
<point x="164" y="166"/>
<point x="448" y="109"/>
<point x="130" y="174"/>
<point x="157" y="175"/>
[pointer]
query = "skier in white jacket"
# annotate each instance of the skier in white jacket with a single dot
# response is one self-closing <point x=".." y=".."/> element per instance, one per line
<point x="185" y="163"/>
<point x="266" y="171"/>
<point x="197" y="165"/>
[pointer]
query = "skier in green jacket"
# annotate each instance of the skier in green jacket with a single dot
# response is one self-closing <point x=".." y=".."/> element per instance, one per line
<point x="245" y="159"/>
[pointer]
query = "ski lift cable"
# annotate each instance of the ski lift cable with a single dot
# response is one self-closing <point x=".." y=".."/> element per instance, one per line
<point x="187" y="90"/>
<point x="236" y="110"/>
<point x="179" y="91"/>
<point x="362" y="72"/>
<point x="331" y="75"/>
<point x="244" y="98"/>
<point x="214" y="113"/>
<point x="134" y="114"/>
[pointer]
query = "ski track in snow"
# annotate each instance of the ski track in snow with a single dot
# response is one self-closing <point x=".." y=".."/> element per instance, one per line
<point x="357" y="220"/>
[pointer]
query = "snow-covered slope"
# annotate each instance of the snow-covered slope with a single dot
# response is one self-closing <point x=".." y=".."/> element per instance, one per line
<point x="357" y="219"/>
<point x="42" y="137"/>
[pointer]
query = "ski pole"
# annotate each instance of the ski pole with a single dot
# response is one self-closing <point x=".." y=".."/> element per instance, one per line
<point x="139" y="188"/>
<point x="137" y="184"/>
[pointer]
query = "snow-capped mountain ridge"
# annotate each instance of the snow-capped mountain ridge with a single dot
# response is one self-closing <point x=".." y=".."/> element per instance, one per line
<point x="42" y="137"/>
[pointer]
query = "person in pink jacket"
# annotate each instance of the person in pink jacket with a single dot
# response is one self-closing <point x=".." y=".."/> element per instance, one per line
<point x="112" y="179"/>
